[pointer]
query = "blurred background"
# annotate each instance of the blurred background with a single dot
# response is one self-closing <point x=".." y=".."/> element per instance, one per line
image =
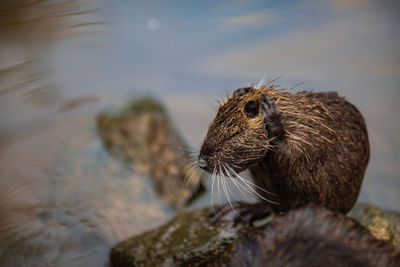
<point x="62" y="62"/>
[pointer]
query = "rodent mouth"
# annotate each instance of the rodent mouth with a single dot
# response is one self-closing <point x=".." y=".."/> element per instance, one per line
<point x="208" y="165"/>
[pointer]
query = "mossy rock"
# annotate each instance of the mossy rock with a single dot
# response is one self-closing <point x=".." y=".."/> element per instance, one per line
<point x="384" y="225"/>
<point x="189" y="239"/>
<point x="142" y="135"/>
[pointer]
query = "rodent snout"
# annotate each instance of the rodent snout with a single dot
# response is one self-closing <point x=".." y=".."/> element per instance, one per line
<point x="202" y="163"/>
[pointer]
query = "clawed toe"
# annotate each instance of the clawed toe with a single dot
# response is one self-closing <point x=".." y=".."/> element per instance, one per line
<point x="225" y="212"/>
<point x="272" y="119"/>
<point x="237" y="212"/>
<point x="269" y="107"/>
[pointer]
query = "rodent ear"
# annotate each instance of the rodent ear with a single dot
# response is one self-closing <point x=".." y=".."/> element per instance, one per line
<point x="243" y="91"/>
<point x="251" y="109"/>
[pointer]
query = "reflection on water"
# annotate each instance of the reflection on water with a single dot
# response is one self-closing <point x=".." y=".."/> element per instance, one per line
<point x="76" y="102"/>
<point x="29" y="30"/>
<point x="80" y="204"/>
<point x="63" y="200"/>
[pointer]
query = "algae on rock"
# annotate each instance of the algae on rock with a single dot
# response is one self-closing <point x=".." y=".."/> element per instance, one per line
<point x="189" y="239"/>
<point x="384" y="225"/>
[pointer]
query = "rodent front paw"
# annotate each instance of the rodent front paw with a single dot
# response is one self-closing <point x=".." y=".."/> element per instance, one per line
<point x="272" y="119"/>
<point x="240" y="212"/>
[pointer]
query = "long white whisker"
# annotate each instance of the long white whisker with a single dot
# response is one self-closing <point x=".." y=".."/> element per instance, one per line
<point x="222" y="185"/>
<point x="193" y="166"/>
<point x="236" y="183"/>
<point x="248" y="182"/>
<point x="226" y="191"/>
<point x="226" y="183"/>
<point x="219" y="190"/>
<point x="188" y="175"/>
<point x="192" y="163"/>
<point x="245" y="188"/>
<point x="212" y="192"/>
<point x="227" y="194"/>
<point x="230" y="177"/>
<point x="254" y="191"/>
<point x="252" y="184"/>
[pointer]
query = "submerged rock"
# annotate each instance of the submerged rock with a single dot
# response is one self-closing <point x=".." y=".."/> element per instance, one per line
<point x="143" y="135"/>
<point x="189" y="239"/>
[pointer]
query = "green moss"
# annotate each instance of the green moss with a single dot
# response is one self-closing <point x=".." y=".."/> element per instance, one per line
<point x="104" y="122"/>
<point x="144" y="104"/>
<point x="368" y="215"/>
<point x="188" y="239"/>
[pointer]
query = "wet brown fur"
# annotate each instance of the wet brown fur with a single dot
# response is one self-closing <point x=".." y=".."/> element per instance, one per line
<point x="321" y="159"/>
<point x="310" y="236"/>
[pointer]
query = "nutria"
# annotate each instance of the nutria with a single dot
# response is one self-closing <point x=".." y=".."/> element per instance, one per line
<point x="309" y="236"/>
<point x="300" y="148"/>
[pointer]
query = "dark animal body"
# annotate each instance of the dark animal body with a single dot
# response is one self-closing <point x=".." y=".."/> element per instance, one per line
<point x="310" y="236"/>
<point x="303" y="147"/>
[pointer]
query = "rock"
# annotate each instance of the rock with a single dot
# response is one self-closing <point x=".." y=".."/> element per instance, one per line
<point x="384" y="225"/>
<point x="143" y="135"/>
<point x="189" y="239"/>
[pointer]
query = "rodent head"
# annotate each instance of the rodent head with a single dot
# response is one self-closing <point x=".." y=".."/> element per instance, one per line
<point x="237" y="137"/>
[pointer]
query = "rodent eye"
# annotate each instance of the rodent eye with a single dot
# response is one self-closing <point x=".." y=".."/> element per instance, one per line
<point x="251" y="109"/>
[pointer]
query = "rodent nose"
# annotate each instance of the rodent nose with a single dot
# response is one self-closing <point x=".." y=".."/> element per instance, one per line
<point x="202" y="163"/>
